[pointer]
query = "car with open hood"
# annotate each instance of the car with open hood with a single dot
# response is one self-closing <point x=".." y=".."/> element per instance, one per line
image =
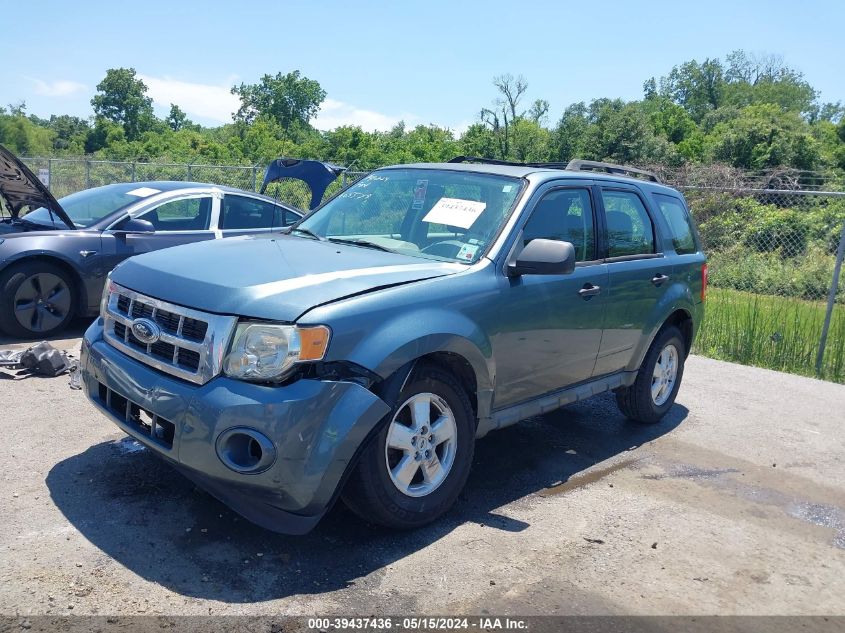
<point x="360" y="353"/>
<point x="55" y="254"/>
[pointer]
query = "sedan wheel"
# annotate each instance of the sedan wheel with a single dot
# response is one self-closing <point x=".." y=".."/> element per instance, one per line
<point x="42" y="302"/>
<point x="36" y="300"/>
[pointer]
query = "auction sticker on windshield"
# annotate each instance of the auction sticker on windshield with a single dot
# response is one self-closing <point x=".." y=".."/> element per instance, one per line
<point x="455" y="212"/>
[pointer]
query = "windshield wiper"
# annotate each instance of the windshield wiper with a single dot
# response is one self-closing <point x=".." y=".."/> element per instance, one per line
<point x="364" y="243"/>
<point x="308" y="232"/>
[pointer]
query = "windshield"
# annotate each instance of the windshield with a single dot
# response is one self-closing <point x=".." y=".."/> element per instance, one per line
<point x="92" y="205"/>
<point x="435" y="214"/>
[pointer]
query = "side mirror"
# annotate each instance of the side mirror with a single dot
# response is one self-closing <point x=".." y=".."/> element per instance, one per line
<point x="544" y="257"/>
<point x="135" y="225"/>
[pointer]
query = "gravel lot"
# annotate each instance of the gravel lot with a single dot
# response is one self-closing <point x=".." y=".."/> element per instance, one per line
<point x="734" y="504"/>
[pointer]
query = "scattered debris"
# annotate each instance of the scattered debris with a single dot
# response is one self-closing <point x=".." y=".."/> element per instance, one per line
<point x="654" y="545"/>
<point x="598" y="541"/>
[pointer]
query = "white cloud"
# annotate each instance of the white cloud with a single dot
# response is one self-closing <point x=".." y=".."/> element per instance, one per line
<point x="58" y="88"/>
<point x="211" y="102"/>
<point x="335" y="113"/>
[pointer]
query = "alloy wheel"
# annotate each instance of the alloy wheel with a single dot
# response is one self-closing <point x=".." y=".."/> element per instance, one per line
<point x="665" y="374"/>
<point x="421" y="445"/>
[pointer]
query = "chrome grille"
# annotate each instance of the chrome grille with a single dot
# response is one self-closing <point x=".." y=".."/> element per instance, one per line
<point x="191" y="343"/>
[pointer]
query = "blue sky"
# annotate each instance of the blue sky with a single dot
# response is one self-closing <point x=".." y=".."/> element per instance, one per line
<point x="379" y="62"/>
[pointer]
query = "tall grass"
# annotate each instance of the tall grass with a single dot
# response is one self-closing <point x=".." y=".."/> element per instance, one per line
<point x="780" y="333"/>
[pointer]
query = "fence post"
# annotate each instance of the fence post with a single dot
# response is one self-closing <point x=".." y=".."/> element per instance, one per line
<point x="343" y="180"/>
<point x="50" y="174"/>
<point x="133" y="170"/>
<point x="831" y="300"/>
<point x="87" y="173"/>
<point x="190" y="173"/>
<point x="255" y="177"/>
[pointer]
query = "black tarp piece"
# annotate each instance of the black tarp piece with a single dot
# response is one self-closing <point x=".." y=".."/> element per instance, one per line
<point x="41" y="359"/>
<point x="314" y="173"/>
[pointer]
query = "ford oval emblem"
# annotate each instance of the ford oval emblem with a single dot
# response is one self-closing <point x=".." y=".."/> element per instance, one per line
<point x="146" y="331"/>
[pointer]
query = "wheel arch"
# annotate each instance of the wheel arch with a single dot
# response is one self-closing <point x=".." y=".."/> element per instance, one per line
<point x="677" y="306"/>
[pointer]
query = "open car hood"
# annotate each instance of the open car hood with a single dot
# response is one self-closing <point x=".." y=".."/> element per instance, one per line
<point x="314" y="173"/>
<point x="20" y="188"/>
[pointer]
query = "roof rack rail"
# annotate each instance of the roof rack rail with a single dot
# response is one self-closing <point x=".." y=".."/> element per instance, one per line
<point x="623" y="170"/>
<point x="573" y="165"/>
<point x="496" y="161"/>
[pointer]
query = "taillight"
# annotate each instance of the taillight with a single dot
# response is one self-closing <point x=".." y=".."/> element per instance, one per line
<point x="704" y="281"/>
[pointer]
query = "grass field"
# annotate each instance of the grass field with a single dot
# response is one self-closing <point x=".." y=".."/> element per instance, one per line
<point x="770" y="331"/>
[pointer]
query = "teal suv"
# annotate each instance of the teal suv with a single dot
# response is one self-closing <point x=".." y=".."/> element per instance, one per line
<point x="359" y="354"/>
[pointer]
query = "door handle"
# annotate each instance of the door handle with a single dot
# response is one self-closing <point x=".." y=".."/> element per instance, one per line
<point x="659" y="278"/>
<point x="589" y="290"/>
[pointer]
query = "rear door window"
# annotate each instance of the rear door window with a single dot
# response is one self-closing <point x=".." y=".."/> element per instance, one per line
<point x="678" y="220"/>
<point x="629" y="227"/>
<point x="241" y="212"/>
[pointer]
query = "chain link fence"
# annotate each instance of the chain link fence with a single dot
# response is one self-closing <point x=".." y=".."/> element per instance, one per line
<point x="774" y="241"/>
<point x="67" y="175"/>
<point x="775" y="247"/>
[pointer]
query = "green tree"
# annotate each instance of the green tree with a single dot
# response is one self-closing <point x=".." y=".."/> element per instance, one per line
<point x="505" y="110"/>
<point x="22" y="136"/>
<point x="622" y="133"/>
<point x="291" y="100"/>
<point x="478" y="140"/>
<point x="569" y="136"/>
<point x="754" y="79"/>
<point x="529" y="141"/>
<point x="698" y="88"/>
<point x="106" y="135"/>
<point x="71" y="132"/>
<point x="177" y="119"/>
<point x="764" y="136"/>
<point x="122" y="98"/>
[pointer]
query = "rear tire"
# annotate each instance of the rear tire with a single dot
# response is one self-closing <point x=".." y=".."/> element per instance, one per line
<point x="654" y="391"/>
<point x="415" y="468"/>
<point x="37" y="299"/>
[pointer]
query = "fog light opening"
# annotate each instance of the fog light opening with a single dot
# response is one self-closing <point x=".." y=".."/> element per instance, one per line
<point x="245" y="450"/>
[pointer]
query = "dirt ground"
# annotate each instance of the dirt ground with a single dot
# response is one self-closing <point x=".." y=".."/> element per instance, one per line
<point x="734" y="504"/>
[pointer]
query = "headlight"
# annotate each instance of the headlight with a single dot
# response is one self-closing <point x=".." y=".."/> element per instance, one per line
<point x="264" y="352"/>
<point x="104" y="300"/>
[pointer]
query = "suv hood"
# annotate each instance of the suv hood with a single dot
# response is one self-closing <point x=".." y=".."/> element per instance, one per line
<point x="273" y="276"/>
<point x="19" y="188"/>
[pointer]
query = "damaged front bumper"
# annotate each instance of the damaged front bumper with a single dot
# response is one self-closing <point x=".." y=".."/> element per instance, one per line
<point x="315" y="426"/>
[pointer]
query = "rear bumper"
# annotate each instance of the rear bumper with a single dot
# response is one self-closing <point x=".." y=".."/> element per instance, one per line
<point x="315" y="426"/>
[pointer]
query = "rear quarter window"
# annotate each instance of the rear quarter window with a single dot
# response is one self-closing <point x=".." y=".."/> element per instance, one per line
<point x="679" y="223"/>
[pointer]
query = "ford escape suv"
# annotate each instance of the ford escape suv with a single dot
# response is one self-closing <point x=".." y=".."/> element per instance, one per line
<point x="360" y="354"/>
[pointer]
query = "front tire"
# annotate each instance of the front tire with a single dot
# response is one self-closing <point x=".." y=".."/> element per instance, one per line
<point x="416" y="466"/>
<point x="37" y="299"/>
<point x="654" y="391"/>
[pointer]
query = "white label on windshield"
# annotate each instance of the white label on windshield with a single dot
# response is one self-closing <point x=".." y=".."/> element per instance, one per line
<point x="455" y="212"/>
<point x="143" y="192"/>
